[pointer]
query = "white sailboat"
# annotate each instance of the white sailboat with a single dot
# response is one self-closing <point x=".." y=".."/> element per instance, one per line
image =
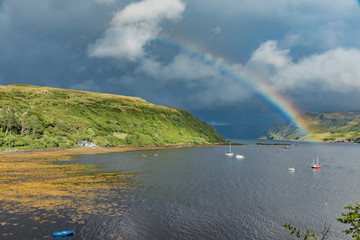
<point x="229" y="153"/>
<point x="317" y="165"/>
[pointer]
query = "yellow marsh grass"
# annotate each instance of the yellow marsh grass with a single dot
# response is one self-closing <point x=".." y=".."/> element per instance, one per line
<point x="30" y="181"/>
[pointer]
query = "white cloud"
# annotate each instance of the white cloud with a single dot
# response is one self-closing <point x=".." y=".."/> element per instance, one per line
<point x="332" y="70"/>
<point x="208" y="84"/>
<point x="189" y="69"/>
<point x="269" y="54"/>
<point x="133" y="27"/>
<point x="294" y="9"/>
<point x="292" y="39"/>
<point x="316" y="25"/>
<point x="336" y="70"/>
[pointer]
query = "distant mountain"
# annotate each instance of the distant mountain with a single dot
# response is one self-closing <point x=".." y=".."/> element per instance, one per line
<point x="335" y="126"/>
<point x="44" y="118"/>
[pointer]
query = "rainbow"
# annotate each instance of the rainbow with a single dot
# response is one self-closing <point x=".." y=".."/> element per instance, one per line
<point x="253" y="82"/>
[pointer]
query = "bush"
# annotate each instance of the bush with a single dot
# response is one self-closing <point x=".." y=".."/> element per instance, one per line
<point x="38" y="144"/>
<point x="101" y="141"/>
<point x="9" y="140"/>
<point x="352" y="218"/>
<point x="145" y="140"/>
<point x="2" y="138"/>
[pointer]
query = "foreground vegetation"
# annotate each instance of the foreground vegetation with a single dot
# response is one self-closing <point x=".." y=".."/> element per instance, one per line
<point x="47" y="118"/>
<point x="352" y="217"/>
<point x="324" y="126"/>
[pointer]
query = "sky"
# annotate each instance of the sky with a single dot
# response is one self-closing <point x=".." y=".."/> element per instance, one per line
<point x="209" y="57"/>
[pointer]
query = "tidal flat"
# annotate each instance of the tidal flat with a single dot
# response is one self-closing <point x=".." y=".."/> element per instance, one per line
<point x="39" y="194"/>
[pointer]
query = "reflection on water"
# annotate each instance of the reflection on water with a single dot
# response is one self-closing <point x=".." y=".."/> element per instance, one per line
<point x="199" y="193"/>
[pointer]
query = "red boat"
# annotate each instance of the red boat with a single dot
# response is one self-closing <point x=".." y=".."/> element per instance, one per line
<point x="317" y="165"/>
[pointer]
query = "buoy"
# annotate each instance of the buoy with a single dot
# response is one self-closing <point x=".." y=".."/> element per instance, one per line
<point x="326" y="204"/>
<point x="299" y="170"/>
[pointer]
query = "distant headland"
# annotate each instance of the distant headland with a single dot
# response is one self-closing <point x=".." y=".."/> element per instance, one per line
<point x="329" y="126"/>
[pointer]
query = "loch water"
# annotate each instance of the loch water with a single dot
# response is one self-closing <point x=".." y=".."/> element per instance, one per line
<point x="200" y="193"/>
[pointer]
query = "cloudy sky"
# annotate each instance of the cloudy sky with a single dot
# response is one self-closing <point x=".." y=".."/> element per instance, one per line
<point x="173" y="53"/>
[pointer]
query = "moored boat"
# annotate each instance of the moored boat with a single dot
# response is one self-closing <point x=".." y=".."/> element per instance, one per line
<point x="291" y="169"/>
<point x="229" y="153"/>
<point x="63" y="233"/>
<point x="317" y="165"/>
<point x="238" y="156"/>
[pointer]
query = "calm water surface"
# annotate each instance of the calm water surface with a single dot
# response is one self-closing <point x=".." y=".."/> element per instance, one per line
<point x="199" y="193"/>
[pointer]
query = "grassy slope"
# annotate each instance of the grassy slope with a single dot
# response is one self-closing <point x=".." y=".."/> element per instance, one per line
<point x="281" y="130"/>
<point x="67" y="116"/>
<point x="325" y="126"/>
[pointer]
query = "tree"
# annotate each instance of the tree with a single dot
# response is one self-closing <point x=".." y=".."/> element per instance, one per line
<point x="10" y="121"/>
<point x="91" y="133"/>
<point x="35" y="125"/>
<point x="352" y="218"/>
<point x="9" y="140"/>
<point x="25" y="125"/>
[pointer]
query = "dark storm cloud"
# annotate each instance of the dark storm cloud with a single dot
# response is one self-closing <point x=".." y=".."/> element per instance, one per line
<point x="307" y="50"/>
<point x="45" y="42"/>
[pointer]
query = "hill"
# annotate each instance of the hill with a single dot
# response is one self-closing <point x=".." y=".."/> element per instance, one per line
<point x="330" y="126"/>
<point x="45" y="118"/>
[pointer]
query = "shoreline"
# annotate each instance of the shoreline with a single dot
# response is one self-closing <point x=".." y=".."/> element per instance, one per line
<point x="96" y="150"/>
<point x="99" y="150"/>
<point x="35" y="186"/>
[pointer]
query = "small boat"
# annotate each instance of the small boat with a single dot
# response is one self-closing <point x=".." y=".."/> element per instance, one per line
<point x="63" y="233"/>
<point x="238" y="156"/>
<point x="291" y="169"/>
<point x="229" y="153"/>
<point x="317" y="165"/>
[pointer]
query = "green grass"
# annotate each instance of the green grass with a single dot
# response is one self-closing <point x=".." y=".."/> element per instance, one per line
<point x="42" y="118"/>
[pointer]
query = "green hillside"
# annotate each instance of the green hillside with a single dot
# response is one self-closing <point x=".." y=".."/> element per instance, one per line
<point x="341" y="126"/>
<point x="46" y="118"/>
<point x="281" y="130"/>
